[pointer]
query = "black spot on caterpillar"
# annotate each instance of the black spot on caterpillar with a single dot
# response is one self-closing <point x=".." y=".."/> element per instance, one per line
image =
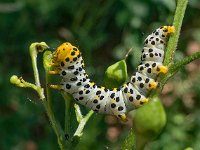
<point x="117" y="101"/>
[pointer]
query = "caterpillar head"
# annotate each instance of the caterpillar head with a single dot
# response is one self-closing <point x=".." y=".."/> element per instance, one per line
<point x="66" y="53"/>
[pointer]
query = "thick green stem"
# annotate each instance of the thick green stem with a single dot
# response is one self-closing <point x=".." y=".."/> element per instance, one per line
<point x="173" y="40"/>
<point x="177" y="23"/>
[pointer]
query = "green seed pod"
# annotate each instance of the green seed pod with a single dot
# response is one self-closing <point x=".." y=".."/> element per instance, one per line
<point x="14" y="79"/>
<point x="116" y="74"/>
<point x="149" y="120"/>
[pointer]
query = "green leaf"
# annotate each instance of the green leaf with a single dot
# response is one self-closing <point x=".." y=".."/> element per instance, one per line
<point x="116" y="74"/>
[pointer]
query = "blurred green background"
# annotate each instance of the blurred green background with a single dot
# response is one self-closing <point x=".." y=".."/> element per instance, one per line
<point x="103" y="30"/>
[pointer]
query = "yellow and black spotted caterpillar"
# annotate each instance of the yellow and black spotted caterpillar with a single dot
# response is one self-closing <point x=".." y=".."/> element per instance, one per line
<point x="68" y="62"/>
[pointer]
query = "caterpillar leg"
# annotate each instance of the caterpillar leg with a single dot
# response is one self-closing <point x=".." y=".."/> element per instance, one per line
<point x="143" y="101"/>
<point x="170" y="29"/>
<point x="153" y="85"/>
<point x="122" y="117"/>
<point x="162" y="69"/>
<point x="54" y="72"/>
<point x="152" y="68"/>
<point x="143" y="82"/>
<point x="55" y="86"/>
<point x="54" y="64"/>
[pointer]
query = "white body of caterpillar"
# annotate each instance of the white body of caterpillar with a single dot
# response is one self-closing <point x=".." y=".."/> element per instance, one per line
<point x="69" y="64"/>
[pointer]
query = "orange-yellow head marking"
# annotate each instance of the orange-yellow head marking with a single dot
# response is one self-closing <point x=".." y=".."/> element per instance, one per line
<point x="66" y="53"/>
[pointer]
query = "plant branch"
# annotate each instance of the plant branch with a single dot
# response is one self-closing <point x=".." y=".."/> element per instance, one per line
<point x="20" y="82"/>
<point x="79" y="131"/>
<point x="69" y="101"/>
<point x="83" y="121"/>
<point x="173" y="69"/>
<point x="177" y="66"/>
<point x="79" y="115"/>
<point x="34" y="49"/>
<point x="173" y="40"/>
<point x="177" y="23"/>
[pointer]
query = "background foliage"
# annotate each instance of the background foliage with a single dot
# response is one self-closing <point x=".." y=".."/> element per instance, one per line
<point x="104" y="30"/>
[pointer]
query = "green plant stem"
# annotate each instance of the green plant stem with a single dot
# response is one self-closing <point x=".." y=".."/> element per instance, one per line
<point x="48" y="103"/>
<point x="57" y="129"/>
<point x="68" y="106"/>
<point x="177" y="23"/>
<point x="34" y="49"/>
<point x="79" y="115"/>
<point x="173" y="69"/>
<point x="69" y="101"/>
<point x="83" y="121"/>
<point x="79" y="131"/>
<point x="177" y="66"/>
<point x="55" y="125"/>
<point x="173" y="40"/>
<point x="35" y="70"/>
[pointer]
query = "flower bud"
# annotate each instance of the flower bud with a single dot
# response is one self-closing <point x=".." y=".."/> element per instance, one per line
<point x="116" y="74"/>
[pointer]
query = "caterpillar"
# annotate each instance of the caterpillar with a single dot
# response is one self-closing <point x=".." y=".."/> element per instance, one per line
<point x="68" y="62"/>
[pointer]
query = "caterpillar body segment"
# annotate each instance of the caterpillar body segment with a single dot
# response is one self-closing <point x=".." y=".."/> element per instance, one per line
<point x="68" y="62"/>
